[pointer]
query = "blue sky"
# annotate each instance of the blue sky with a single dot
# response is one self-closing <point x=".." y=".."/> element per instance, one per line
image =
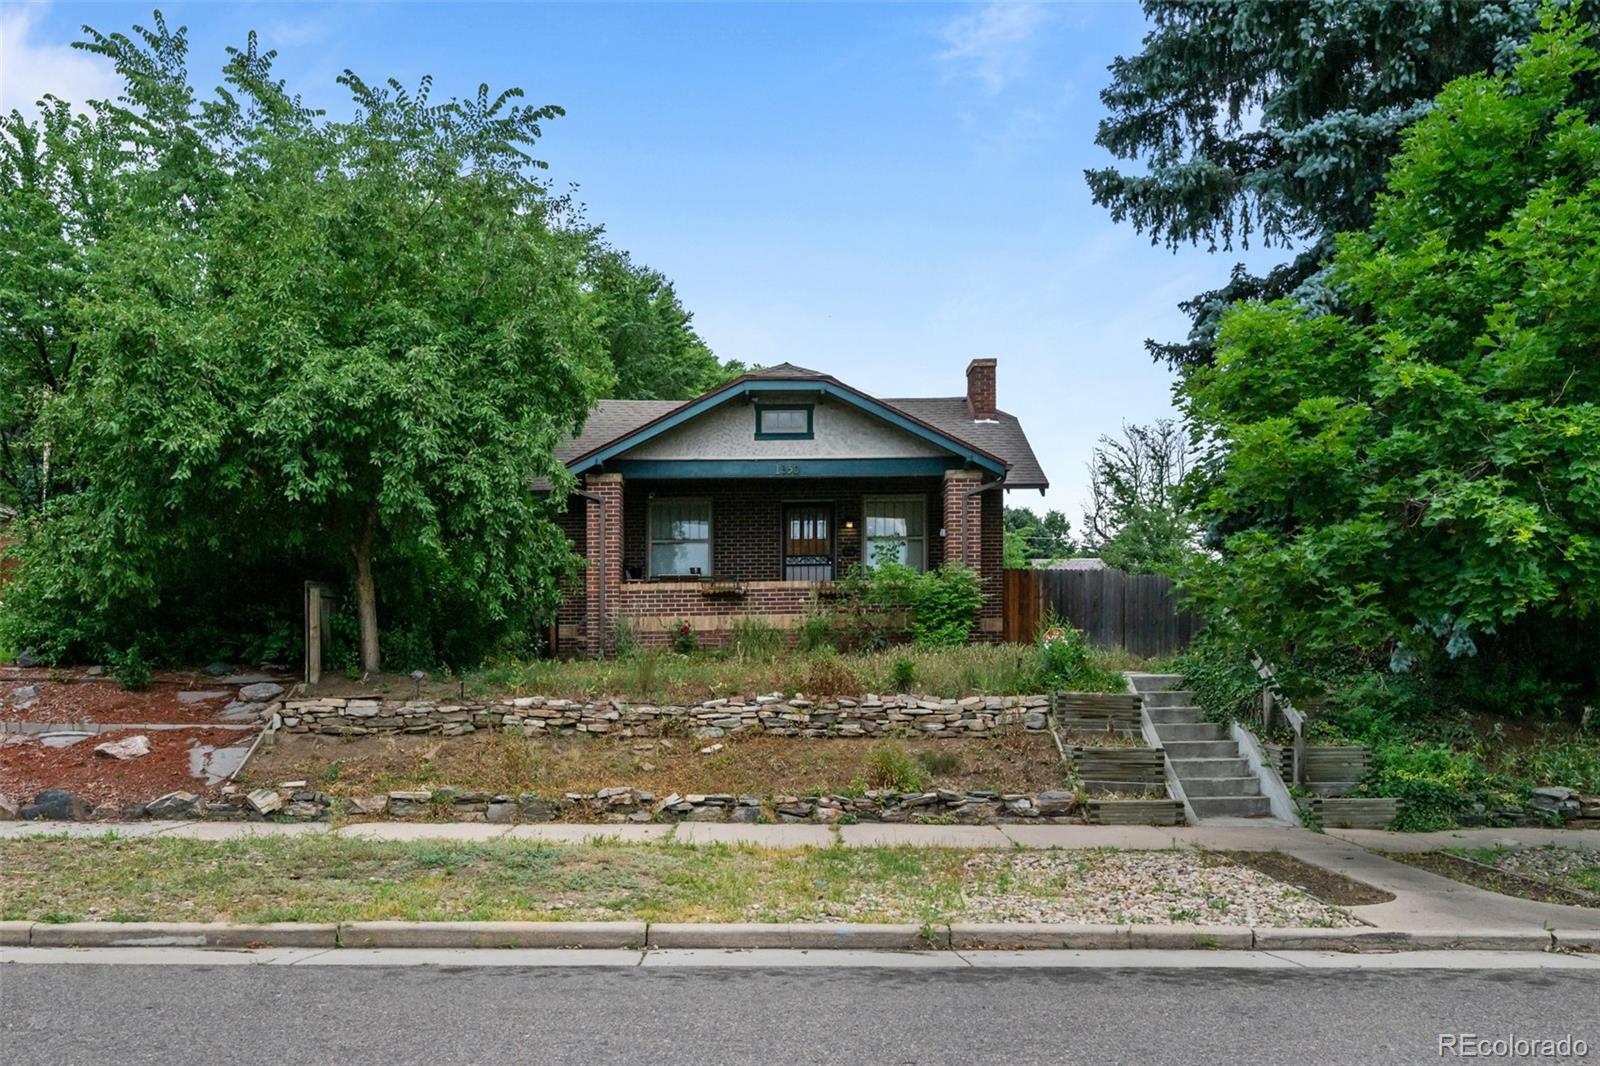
<point x="881" y="192"/>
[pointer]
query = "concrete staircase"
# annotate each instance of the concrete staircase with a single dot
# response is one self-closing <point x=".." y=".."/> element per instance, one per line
<point x="1216" y="779"/>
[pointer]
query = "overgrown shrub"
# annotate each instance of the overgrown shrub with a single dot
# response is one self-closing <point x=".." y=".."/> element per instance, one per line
<point x="937" y="607"/>
<point x="828" y="676"/>
<point x="890" y="765"/>
<point x="1066" y="663"/>
<point x="684" y="639"/>
<point x="753" y="639"/>
<point x="903" y="674"/>
<point x="816" y="632"/>
<point x="129" y="668"/>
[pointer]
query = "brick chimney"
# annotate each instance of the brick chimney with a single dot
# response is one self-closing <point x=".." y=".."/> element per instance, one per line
<point x="980" y="388"/>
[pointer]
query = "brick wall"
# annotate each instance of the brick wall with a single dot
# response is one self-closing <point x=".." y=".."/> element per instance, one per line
<point x="747" y="520"/>
<point x="746" y="547"/>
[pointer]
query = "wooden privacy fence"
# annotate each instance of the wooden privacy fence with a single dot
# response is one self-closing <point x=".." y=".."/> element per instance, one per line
<point x="1115" y="609"/>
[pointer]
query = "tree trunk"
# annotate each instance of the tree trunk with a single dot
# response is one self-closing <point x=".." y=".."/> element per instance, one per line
<point x="367" y="593"/>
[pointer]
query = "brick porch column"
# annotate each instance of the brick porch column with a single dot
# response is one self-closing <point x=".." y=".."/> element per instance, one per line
<point x="963" y="518"/>
<point x="603" y="575"/>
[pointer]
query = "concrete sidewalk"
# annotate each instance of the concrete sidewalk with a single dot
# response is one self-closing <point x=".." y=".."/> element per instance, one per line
<point x="869" y="834"/>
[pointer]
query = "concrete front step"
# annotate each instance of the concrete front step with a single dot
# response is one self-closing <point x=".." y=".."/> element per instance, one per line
<point x="1200" y="768"/>
<point x="1172" y="697"/>
<point x="1154" y="682"/>
<point x="1182" y="750"/>
<point x="1230" y="806"/>
<point x="1174" y="714"/>
<point x="1220" y="786"/>
<point x="1190" y="731"/>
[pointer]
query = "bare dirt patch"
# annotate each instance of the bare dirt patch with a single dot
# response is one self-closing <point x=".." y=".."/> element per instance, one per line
<point x="756" y="765"/>
<point x="1325" y="885"/>
<point x="28" y="766"/>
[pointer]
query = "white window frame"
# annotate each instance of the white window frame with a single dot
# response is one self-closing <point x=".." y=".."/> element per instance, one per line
<point x="920" y="499"/>
<point x="651" y="540"/>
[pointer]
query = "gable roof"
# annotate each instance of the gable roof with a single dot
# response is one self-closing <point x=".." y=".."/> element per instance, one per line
<point x="999" y="444"/>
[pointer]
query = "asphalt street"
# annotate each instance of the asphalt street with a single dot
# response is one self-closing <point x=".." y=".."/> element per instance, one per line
<point x="108" y="1015"/>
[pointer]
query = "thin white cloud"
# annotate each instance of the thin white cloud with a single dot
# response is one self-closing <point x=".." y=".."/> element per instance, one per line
<point x="991" y="43"/>
<point x="30" y="68"/>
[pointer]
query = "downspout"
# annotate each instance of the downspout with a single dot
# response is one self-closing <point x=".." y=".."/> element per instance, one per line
<point x="600" y="559"/>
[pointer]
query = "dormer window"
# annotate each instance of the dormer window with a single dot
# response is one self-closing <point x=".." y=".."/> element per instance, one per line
<point x="788" y="421"/>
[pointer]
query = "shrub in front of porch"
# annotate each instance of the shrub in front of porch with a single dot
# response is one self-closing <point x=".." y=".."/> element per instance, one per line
<point x="937" y="607"/>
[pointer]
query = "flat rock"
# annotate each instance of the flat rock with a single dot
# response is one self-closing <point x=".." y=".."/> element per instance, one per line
<point x="264" y="800"/>
<point x="239" y="710"/>
<point x="217" y="669"/>
<point x="200" y="696"/>
<point x="63" y="739"/>
<point x="57" y="805"/>
<point x="261" y="691"/>
<point x="126" y="748"/>
<point x="368" y="804"/>
<point x="175" y="805"/>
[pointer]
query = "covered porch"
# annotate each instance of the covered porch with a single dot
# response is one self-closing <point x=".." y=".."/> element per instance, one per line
<point x="710" y="543"/>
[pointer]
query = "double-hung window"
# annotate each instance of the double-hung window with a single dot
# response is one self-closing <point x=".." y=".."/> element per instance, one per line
<point x="680" y="538"/>
<point x="896" y="531"/>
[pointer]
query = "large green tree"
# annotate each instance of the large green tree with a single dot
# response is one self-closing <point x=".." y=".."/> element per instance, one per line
<point x="1419" y="476"/>
<point x="354" y="343"/>
<point x="650" y="337"/>
<point x="1274" y="121"/>
<point x="1137" y="520"/>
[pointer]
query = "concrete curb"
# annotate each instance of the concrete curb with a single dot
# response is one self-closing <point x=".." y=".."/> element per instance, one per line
<point x="492" y="934"/>
<point x="797" y="935"/>
<point x="182" y="934"/>
<point x="1001" y="936"/>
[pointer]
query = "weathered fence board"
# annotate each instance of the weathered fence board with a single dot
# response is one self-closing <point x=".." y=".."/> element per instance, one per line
<point x="1113" y="608"/>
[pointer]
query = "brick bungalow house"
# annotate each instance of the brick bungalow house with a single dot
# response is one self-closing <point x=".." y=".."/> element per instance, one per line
<point x="748" y="500"/>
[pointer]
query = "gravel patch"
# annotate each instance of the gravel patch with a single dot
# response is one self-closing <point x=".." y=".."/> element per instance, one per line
<point x="1576" y="868"/>
<point x="1111" y="888"/>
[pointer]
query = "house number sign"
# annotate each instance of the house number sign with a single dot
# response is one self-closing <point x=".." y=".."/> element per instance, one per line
<point x="788" y="470"/>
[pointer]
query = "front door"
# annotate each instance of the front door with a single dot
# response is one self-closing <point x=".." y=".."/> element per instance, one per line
<point x="807" y="542"/>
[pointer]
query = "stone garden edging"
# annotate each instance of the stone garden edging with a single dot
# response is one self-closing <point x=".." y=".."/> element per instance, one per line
<point x="294" y="801"/>
<point x="773" y="714"/>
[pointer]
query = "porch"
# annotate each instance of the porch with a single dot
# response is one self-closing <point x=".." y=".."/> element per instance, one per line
<point x="709" y="551"/>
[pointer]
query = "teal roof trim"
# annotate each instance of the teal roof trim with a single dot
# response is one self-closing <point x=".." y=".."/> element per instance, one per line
<point x="694" y="408"/>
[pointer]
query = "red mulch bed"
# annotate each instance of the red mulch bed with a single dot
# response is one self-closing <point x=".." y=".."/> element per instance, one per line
<point x="26" y="768"/>
<point x="103" y="700"/>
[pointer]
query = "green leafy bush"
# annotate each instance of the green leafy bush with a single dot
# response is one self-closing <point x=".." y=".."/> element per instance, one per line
<point x="129" y="668"/>
<point x="904" y="675"/>
<point x="890" y="765"/>
<point x="937" y="607"/>
<point x="1067" y="663"/>
<point x="684" y="639"/>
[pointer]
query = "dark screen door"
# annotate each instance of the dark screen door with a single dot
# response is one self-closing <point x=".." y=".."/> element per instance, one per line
<point x="808" y="542"/>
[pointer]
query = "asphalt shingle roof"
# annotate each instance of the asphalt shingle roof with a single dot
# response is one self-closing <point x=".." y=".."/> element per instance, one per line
<point x="1001" y="436"/>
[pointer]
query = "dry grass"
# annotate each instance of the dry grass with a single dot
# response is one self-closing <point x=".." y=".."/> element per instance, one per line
<point x="749" y="764"/>
<point x="323" y="878"/>
<point x="667" y="677"/>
